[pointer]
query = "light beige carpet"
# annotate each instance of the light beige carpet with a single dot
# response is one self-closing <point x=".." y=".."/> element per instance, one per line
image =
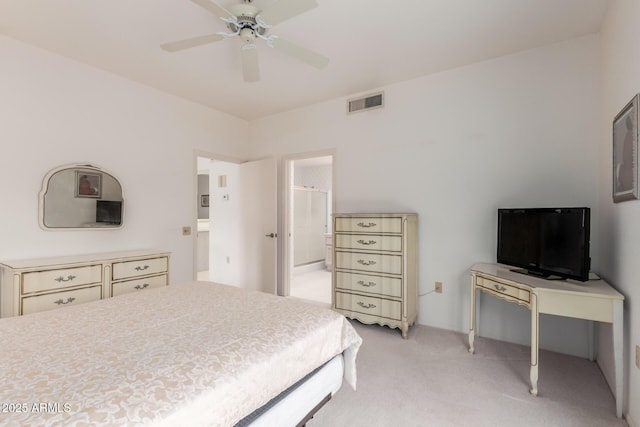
<point x="431" y="380"/>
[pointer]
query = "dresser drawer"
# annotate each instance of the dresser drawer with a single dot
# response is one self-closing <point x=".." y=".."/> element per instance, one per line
<point x="60" y="299"/>
<point x="143" y="267"/>
<point x="374" y="242"/>
<point x="62" y="278"/>
<point x="508" y="292"/>
<point x="380" y="285"/>
<point x="138" y="285"/>
<point x="378" y="263"/>
<point x="368" y="225"/>
<point x="369" y="305"/>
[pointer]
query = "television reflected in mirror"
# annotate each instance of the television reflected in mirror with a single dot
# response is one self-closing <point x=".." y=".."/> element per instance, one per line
<point x="108" y="212"/>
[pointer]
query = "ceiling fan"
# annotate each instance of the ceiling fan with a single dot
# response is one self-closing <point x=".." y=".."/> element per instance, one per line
<point x="250" y="24"/>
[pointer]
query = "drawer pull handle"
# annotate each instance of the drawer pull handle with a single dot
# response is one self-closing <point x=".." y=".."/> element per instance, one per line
<point x="67" y="279"/>
<point x="363" y="262"/>
<point x="139" y="287"/>
<point x="368" y="285"/>
<point x="144" y="267"/>
<point x="367" y="242"/>
<point x="59" y="302"/>
<point x="361" y="304"/>
<point x="367" y="225"/>
<point x="500" y="288"/>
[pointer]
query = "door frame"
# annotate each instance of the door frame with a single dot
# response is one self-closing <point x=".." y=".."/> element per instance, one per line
<point x="194" y="205"/>
<point x="287" y="206"/>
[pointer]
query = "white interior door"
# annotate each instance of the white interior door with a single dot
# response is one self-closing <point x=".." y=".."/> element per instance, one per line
<point x="258" y="224"/>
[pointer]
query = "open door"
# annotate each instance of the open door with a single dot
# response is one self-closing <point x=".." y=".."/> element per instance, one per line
<point x="258" y="225"/>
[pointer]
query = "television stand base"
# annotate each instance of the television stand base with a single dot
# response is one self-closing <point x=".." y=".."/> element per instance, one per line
<point x="536" y="274"/>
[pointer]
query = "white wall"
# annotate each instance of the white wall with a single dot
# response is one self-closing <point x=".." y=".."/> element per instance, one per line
<point x="620" y="222"/>
<point x="224" y="212"/>
<point x="520" y="130"/>
<point x="55" y="111"/>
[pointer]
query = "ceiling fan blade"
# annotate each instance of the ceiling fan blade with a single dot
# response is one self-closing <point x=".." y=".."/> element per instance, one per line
<point x="250" y="67"/>
<point x="284" y="9"/>
<point x="192" y="42"/>
<point x="299" y="52"/>
<point x="219" y="11"/>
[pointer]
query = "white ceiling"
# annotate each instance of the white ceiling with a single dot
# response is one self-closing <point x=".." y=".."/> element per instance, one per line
<point x="371" y="43"/>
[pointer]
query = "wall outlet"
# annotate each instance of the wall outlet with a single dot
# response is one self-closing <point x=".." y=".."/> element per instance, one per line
<point x="186" y="231"/>
<point x="638" y="356"/>
<point x="438" y="287"/>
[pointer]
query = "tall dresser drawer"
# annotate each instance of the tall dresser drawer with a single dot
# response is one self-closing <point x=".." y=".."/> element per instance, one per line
<point x="380" y="285"/>
<point x="60" y="299"/>
<point x="379" y="263"/>
<point x="369" y="305"/>
<point x="368" y="225"/>
<point x="124" y="270"/>
<point x="373" y="242"/>
<point x="63" y="278"/>
<point x="139" y="284"/>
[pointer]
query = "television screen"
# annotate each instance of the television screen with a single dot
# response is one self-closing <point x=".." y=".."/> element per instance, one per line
<point x="108" y="212"/>
<point x="545" y="241"/>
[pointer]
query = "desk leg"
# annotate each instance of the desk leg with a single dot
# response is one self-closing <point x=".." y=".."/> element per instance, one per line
<point x="534" y="345"/>
<point x="618" y="346"/>
<point x="591" y="338"/>
<point x="472" y="313"/>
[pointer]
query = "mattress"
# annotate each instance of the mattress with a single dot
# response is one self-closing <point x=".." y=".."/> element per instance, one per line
<point x="188" y="354"/>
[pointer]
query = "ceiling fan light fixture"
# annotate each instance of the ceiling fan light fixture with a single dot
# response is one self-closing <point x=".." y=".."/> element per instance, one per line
<point x="249" y="23"/>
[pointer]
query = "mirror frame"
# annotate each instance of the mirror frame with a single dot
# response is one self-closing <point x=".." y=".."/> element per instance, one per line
<point x="83" y="166"/>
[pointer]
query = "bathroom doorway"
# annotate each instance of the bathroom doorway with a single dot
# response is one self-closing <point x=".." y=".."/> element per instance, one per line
<point x="309" y="190"/>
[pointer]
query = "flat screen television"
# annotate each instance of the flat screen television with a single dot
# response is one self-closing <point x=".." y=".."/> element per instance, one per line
<point x="546" y="242"/>
<point x="109" y="212"/>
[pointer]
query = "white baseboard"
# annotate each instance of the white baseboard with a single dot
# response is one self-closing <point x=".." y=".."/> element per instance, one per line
<point x="307" y="268"/>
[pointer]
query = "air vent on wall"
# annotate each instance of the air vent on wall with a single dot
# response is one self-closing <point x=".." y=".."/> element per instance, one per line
<point x="368" y="102"/>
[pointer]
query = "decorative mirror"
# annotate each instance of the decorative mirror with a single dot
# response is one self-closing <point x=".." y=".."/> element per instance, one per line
<point x="80" y="197"/>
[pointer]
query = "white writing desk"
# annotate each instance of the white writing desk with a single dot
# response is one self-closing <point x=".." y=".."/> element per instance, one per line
<point x="591" y="300"/>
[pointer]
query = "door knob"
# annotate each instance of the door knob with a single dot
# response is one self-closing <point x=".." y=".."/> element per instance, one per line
<point x="272" y="235"/>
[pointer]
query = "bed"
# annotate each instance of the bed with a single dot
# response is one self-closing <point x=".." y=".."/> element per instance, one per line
<point x="190" y="354"/>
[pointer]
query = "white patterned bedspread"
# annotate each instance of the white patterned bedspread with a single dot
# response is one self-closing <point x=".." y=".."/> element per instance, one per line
<point x="189" y="354"/>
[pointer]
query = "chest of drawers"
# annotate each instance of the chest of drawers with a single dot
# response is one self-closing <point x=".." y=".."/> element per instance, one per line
<point x="32" y="285"/>
<point x="375" y="273"/>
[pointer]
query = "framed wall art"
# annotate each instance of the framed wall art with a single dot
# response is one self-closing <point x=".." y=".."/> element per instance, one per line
<point x="625" y="152"/>
<point x="88" y="184"/>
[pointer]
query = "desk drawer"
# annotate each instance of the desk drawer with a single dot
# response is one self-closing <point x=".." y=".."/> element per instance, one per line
<point x="139" y="285"/>
<point x="369" y="305"/>
<point x="368" y="225"/>
<point x="391" y="264"/>
<point x="364" y="283"/>
<point x="508" y="292"/>
<point x="60" y="299"/>
<point x="373" y="242"/>
<point x="143" y="267"/>
<point x="62" y="278"/>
